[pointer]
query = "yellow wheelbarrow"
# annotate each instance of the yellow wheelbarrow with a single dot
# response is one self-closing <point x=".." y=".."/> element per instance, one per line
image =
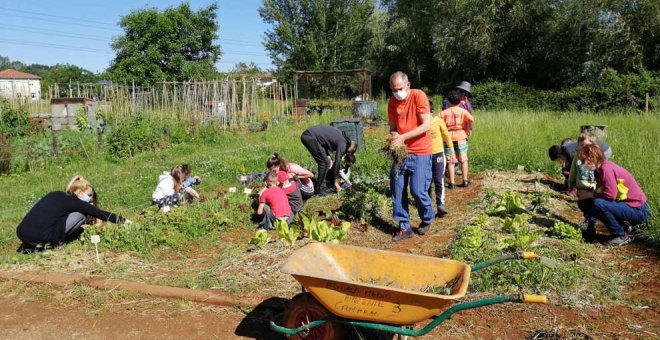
<point x="380" y="290"/>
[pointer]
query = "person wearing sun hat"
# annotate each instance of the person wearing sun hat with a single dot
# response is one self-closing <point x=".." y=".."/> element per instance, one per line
<point x="464" y="88"/>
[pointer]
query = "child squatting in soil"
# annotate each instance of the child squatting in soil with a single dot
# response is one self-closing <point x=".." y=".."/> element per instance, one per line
<point x="166" y="194"/>
<point x="273" y="203"/>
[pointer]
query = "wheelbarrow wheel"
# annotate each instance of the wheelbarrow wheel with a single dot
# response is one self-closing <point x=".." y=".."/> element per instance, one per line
<point x="303" y="309"/>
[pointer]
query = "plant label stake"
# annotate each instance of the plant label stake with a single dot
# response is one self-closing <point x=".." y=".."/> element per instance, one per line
<point x="95" y="240"/>
<point x="232" y="189"/>
<point x="247" y="192"/>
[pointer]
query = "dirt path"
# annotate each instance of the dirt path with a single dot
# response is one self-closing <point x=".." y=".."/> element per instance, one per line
<point x="635" y="316"/>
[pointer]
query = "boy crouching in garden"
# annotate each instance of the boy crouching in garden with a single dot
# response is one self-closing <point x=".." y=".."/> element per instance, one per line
<point x="273" y="204"/>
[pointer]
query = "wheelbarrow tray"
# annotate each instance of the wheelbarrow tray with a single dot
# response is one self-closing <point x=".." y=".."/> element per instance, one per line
<point x="377" y="285"/>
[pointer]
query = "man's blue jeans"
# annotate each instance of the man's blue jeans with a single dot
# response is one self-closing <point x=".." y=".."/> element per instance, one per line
<point x="614" y="213"/>
<point x="416" y="172"/>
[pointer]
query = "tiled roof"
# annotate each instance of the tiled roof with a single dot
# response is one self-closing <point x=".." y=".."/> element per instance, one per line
<point x="13" y="74"/>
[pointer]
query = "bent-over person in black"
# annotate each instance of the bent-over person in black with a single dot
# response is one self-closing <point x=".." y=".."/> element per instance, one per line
<point x="324" y="141"/>
<point x="57" y="219"/>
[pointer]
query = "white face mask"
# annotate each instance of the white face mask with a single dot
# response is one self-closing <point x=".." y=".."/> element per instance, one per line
<point x="400" y="95"/>
<point x="85" y="198"/>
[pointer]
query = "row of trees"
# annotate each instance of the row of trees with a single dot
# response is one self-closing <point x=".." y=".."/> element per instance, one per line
<point x="545" y="44"/>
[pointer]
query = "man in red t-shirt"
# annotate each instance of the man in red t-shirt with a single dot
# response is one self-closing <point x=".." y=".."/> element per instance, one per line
<point x="273" y="203"/>
<point x="409" y="116"/>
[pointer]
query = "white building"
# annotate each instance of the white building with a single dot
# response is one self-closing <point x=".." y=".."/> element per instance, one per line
<point x="15" y="85"/>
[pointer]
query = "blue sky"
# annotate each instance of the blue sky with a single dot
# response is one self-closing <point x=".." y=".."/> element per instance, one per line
<point x="79" y="32"/>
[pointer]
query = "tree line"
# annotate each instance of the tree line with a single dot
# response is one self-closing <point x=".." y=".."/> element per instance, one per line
<point x="544" y="44"/>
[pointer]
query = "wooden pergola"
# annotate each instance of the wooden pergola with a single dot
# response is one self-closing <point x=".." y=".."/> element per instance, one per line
<point x="363" y="73"/>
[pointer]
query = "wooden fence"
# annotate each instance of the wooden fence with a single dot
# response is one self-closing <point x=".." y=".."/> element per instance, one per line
<point x="230" y="102"/>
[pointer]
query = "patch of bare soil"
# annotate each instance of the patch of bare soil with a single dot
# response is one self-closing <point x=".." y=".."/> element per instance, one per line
<point x="635" y="315"/>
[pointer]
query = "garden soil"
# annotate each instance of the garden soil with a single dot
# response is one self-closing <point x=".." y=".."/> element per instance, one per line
<point x="634" y="316"/>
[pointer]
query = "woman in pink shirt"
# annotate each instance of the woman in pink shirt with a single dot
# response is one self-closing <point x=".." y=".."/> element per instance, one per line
<point x="618" y="201"/>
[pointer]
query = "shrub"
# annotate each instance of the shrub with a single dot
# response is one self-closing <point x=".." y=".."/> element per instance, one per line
<point x="132" y="136"/>
<point x="607" y="90"/>
<point x="12" y="120"/>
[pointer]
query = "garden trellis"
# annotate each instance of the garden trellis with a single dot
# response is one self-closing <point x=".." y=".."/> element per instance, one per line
<point x="233" y="103"/>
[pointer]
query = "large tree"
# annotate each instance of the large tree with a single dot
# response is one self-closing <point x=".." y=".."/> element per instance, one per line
<point x="408" y="40"/>
<point x="175" y="44"/>
<point x="545" y="43"/>
<point x="317" y="34"/>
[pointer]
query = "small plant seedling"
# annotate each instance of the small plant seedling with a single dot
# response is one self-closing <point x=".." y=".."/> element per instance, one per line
<point x="565" y="231"/>
<point x="260" y="238"/>
<point x="538" y="199"/>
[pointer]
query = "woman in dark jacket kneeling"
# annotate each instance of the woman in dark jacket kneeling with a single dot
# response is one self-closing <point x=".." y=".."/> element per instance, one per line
<point x="57" y="218"/>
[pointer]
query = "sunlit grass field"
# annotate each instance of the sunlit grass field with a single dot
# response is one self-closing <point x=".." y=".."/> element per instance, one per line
<point x="501" y="140"/>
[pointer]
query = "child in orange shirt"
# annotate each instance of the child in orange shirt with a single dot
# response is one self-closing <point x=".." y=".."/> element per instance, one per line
<point x="459" y="123"/>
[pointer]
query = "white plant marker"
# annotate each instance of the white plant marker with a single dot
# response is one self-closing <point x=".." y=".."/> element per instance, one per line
<point x="247" y="192"/>
<point x="243" y="179"/>
<point x="232" y="189"/>
<point x="95" y="240"/>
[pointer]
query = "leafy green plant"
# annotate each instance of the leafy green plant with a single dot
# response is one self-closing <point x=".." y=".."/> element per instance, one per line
<point x="515" y="224"/>
<point x="471" y="237"/>
<point x="522" y="236"/>
<point x="82" y="122"/>
<point x="260" y="238"/>
<point x="288" y="233"/>
<point x="538" y="199"/>
<point x="333" y="231"/>
<point x="510" y="204"/>
<point x="565" y="231"/>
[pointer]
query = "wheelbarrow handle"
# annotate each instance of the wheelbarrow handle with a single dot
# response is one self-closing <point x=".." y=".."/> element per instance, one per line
<point x="527" y="255"/>
<point x="528" y="298"/>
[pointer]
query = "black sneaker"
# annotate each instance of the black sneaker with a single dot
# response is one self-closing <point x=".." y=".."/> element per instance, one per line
<point x="589" y="235"/>
<point x="466" y="183"/>
<point x="442" y="211"/>
<point x="586" y="225"/>
<point x="325" y="192"/>
<point x="402" y="234"/>
<point x="423" y="228"/>
<point x="450" y="186"/>
<point x="618" y="241"/>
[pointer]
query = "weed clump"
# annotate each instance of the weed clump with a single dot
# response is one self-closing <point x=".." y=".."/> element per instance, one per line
<point x="397" y="153"/>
